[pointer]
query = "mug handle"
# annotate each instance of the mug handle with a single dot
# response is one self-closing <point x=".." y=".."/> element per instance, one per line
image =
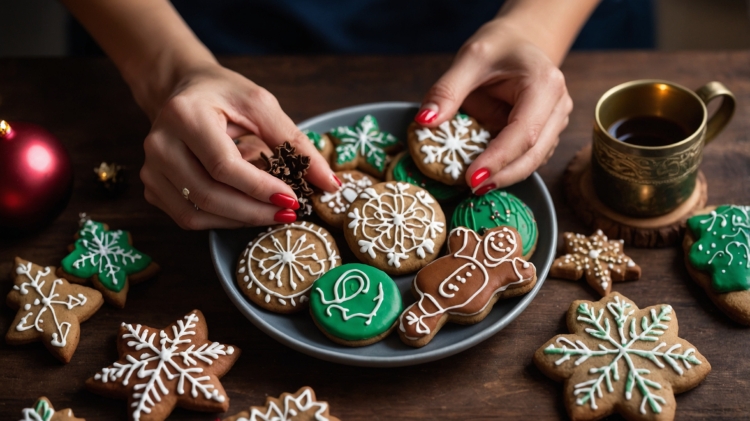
<point x="723" y="115"/>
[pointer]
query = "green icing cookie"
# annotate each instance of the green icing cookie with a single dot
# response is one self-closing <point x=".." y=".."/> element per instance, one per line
<point x="355" y="302"/>
<point x="722" y="246"/>
<point x="106" y="254"/>
<point x="406" y="170"/>
<point x="494" y="209"/>
<point x="363" y="139"/>
<point x="316" y="139"/>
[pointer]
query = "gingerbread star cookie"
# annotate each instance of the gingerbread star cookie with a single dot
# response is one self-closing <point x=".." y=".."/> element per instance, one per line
<point x="618" y="358"/>
<point x="332" y="207"/>
<point x="108" y="259"/>
<point x="159" y="369"/>
<point x="50" y="309"/>
<point x="602" y="260"/>
<point x="364" y="147"/>
<point x="278" y="268"/>
<point x="43" y="411"/>
<point x="300" y="406"/>
<point x="445" y="152"/>
<point x="463" y="286"/>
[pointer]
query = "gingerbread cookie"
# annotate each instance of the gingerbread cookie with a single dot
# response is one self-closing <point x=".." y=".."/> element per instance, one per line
<point x="495" y="209"/>
<point x="50" y="309"/>
<point x="444" y="153"/>
<point x="403" y="168"/>
<point x="278" y="268"/>
<point x="332" y="207"/>
<point x="355" y="304"/>
<point x="717" y="255"/>
<point x="364" y="147"/>
<point x="108" y="259"/>
<point x="159" y="369"/>
<point x="463" y="286"/>
<point x="396" y="227"/>
<point x="322" y="143"/>
<point x="618" y="358"/>
<point x="603" y="261"/>
<point x="43" y="411"/>
<point x="300" y="406"/>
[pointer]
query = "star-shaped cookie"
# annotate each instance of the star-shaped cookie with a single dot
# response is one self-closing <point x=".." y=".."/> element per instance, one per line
<point x="43" y="411"/>
<point x="50" y="309"/>
<point x="300" y="406"/>
<point x="159" y="369"/>
<point x="618" y="358"/>
<point x="364" y="147"/>
<point x="602" y="261"/>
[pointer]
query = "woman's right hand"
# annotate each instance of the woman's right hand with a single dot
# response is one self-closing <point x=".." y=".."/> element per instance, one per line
<point x="191" y="147"/>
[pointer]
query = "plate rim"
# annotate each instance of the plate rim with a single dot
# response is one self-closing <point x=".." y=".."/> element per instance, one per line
<point x="339" y="357"/>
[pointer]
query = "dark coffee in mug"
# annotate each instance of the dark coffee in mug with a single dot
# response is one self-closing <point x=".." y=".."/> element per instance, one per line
<point x="648" y="130"/>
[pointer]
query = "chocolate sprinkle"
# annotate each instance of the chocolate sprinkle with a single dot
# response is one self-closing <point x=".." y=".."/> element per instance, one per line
<point x="291" y="168"/>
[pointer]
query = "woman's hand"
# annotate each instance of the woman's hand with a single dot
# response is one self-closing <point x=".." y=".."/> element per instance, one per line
<point x="191" y="147"/>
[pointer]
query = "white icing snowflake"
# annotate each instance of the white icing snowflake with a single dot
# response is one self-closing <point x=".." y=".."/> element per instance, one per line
<point x="45" y="302"/>
<point x="171" y="358"/>
<point x="293" y="405"/>
<point x="350" y="188"/>
<point x="293" y="262"/>
<point x="106" y="250"/>
<point x="396" y="223"/>
<point x="456" y="148"/>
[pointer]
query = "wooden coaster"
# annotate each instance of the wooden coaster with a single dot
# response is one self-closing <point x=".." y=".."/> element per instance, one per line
<point x="661" y="231"/>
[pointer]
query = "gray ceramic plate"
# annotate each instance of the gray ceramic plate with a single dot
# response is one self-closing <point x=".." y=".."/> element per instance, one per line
<point x="298" y="331"/>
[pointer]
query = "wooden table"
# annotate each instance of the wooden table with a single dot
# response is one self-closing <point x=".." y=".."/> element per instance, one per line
<point x="85" y="104"/>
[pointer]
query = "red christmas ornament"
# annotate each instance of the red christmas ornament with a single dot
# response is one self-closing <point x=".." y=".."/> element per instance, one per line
<point x="36" y="178"/>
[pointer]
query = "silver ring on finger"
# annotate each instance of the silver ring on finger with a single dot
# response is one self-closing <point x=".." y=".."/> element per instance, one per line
<point x="186" y="193"/>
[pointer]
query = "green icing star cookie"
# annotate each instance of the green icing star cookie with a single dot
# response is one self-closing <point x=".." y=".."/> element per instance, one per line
<point x="404" y="169"/>
<point x="495" y="209"/>
<point x="363" y="146"/>
<point x="722" y="247"/>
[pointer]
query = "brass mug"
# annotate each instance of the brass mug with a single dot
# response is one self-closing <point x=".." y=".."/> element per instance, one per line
<point x="645" y="181"/>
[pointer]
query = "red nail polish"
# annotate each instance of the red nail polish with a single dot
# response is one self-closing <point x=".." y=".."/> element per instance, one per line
<point x="284" y="201"/>
<point x="486" y="189"/>
<point x="479" y="176"/>
<point x="285" y="216"/>
<point x="425" y="116"/>
<point x="336" y="179"/>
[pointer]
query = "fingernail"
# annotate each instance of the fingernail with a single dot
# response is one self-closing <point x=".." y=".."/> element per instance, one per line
<point x="284" y="201"/>
<point x="427" y="114"/>
<point x="285" y="216"/>
<point x="336" y="179"/>
<point x="479" y="176"/>
<point x="485" y="189"/>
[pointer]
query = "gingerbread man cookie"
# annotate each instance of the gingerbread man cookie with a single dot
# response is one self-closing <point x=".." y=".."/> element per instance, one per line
<point x="300" y="406"/>
<point x="108" y="259"/>
<point x="50" y="309"/>
<point x="445" y="152"/>
<point x="463" y="286"/>
<point x="159" y="369"/>
<point x="332" y="207"/>
<point x="278" y="268"/>
<point x="364" y="147"/>
<point x="717" y="255"/>
<point x="618" y="358"/>
<point x="43" y="411"/>
<point x="600" y="259"/>
<point x="396" y="227"/>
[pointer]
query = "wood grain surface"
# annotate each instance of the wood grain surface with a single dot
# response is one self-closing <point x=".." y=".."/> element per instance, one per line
<point x="89" y="108"/>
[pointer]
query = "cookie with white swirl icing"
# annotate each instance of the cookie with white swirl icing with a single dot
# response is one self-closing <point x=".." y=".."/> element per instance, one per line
<point x="332" y="207"/>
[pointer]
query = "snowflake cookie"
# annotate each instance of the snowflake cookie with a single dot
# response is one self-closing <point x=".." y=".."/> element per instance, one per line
<point x="717" y="254"/>
<point x="159" y="369"/>
<point x="108" y="259"/>
<point x="364" y="147"/>
<point x="403" y="168"/>
<point x="50" y="309"/>
<point x="300" y="406"/>
<point x="332" y="207"/>
<point x="618" y="358"/>
<point x="43" y="411"/>
<point x="445" y="152"/>
<point x="278" y="268"/>
<point x="396" y="227"/>
<point x="602" y="260"/>
<point x="463" y="286"/>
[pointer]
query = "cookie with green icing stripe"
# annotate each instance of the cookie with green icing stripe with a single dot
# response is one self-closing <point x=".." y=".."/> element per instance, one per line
<point x="717" y="255"/>
<point x="494" y="209"/>
<point x="355" y="304"/>
<point x="322" y="143"/>
<point x="43" y="411"/>
<point x="364" y="147"/>
<point x="107" y="259"/>
<point x="403" y="168"/>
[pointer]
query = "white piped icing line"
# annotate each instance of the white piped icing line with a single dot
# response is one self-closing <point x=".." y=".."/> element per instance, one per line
<point x="456" y="148"/>
<point x="292" y="405"/>
<point x="350" y="188"/>
<point x="104" y="251"/>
